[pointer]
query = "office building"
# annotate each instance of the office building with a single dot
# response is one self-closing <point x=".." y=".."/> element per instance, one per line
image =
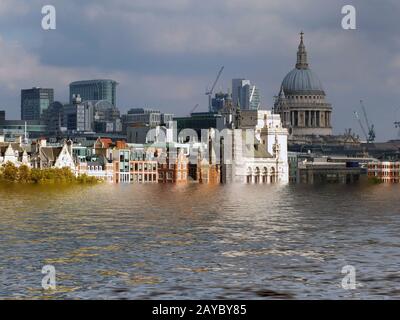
<point x="103" y="89"/>
<point x="245" y="95"/>
<point x="18" y="128"/>
<point x="78" y="116"/>
<point x="138" y="121"/>
<point x="2" y="115"/>
<point x="199" y="121"/>
<point x="106" y="117"/>
<point x="148" y="117"/>
<point x="220" y="101"/>
<point x="34" y="102"/>
<point x="53" y="117"/>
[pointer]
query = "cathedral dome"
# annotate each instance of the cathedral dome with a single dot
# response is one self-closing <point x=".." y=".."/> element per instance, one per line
<point x="301" y="80"/>
<point x="301" y="102"/>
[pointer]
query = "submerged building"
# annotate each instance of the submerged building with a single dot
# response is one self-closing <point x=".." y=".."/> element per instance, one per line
<point x="384" y="171"/>
<point x="301" y="102"/>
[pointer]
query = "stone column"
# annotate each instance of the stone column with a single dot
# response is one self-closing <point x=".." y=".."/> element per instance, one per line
<point x="315" y="118"/>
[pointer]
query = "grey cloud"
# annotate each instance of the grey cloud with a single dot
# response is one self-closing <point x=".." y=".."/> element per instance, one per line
<point x="166" y="52"/>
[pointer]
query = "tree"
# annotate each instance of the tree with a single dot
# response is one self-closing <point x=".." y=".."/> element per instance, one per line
<point x="24" y="174"/>
<point x="36" y="175"/>
<point x="9" y="172"/>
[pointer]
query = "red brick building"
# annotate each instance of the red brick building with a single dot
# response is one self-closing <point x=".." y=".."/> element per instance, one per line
<point x="175" y="168"/>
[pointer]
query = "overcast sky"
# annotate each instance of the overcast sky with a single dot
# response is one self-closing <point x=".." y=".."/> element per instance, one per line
<point x="164" y="53"/>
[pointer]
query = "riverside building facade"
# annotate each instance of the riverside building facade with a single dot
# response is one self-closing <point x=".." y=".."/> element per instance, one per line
<point x="384" y="171"/>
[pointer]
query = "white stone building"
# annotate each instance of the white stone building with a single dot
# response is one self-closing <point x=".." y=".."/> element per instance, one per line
<point x="13" y="152"/>
<point x="259" y="149"/>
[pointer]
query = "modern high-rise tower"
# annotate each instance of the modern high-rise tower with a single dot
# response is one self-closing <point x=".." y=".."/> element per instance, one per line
<point x="34" y="102"/>
<point x="245" y="95"/>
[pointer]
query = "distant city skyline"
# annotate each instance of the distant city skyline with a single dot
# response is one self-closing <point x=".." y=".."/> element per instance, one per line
<point x="148" y="48"/>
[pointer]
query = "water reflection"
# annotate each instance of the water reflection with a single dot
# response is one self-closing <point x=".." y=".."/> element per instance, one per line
<point x="198" y="241"/>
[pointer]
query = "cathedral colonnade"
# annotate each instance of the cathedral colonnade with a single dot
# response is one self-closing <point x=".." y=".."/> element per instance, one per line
<point x="308" y="118"/>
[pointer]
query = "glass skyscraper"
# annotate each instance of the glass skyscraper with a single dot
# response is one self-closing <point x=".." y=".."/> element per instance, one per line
<point x="102" y="89"/>
<point x="34" y="102"/>
<point x="245" y="94"/>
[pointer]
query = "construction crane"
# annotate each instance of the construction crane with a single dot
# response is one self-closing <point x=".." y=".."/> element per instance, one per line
<point x="210" y="92"/>
<point x="397" y="126"/>
<point x="397" y="123"/>
<point x="361" y="125"/>
<point x="371" y="128"/>
<point x="194" y="108"/>
<point x="369" y="131"/>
